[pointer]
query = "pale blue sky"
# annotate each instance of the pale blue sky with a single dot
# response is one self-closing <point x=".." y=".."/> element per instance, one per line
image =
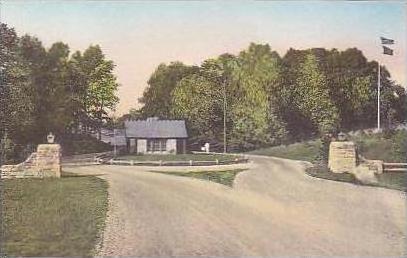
<point x="138" y="35"/>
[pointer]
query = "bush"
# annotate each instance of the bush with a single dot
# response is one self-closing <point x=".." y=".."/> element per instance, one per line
<point x="82" y="144"/>
<point x="399" y="146"/>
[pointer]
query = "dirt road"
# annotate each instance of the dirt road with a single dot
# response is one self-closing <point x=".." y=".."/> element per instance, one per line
<point x="273" y="209"/>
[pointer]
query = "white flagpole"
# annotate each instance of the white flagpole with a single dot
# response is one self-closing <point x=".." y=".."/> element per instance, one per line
<point x="378" y="97"/>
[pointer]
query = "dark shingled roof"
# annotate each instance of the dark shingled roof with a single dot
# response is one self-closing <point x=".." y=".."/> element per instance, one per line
<point x="154" y="128"/>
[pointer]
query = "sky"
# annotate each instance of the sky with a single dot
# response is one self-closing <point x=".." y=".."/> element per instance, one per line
<point x="139" y="35"/>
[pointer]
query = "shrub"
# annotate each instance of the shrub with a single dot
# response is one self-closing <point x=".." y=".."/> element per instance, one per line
<point x="82" y="144"/>
<point x="399" y="146"/>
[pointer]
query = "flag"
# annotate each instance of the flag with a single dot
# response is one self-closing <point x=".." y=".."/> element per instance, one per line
<point x="386" y="41"/>
<point x="387" y="51"/>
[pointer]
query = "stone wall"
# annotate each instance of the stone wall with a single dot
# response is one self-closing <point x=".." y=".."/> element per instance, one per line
<point x="46" y="162"/>
<point x="342" y="157"/>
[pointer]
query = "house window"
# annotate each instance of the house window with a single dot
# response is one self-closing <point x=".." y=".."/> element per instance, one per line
<point x="156" y="145"/>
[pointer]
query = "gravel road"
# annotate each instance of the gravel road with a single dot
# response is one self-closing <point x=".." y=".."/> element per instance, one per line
<point x="273" y="209"/>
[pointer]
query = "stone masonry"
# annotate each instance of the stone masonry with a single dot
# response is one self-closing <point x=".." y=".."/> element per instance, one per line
<point x="46" y="162"/>
<point x="342" y="157"/>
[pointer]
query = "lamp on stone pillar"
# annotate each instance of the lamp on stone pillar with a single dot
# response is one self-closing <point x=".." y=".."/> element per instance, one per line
<point x="50" y="138"/>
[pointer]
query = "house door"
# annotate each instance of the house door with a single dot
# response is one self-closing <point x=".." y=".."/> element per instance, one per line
<point x="133" y="145"/>
<point x="181" y="146"/>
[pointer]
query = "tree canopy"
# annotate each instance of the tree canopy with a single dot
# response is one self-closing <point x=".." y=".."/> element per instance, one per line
<point x="45" y="90"/>
<point x="271" y="99"/>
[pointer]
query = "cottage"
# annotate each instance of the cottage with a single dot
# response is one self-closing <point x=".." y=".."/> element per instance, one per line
<point x="156" y="136"/>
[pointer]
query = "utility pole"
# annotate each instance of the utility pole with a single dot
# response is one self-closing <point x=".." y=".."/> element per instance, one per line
<point x="224" y="116"/>
<point x="114" y="135"/>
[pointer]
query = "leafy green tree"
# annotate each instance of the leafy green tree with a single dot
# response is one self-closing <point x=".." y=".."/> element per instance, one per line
<point x="77" y="81"/>
<point x="200" y="102"/>
<point x="97" y="87"/>
<point x="255" y="120"/>
<point x="54" y="111"/>
<point x="100" y="97"/>
<point x="313" y="97"/>
<point x="48" y="86"/>
<point x="16" y="106"/>
<point x="157" y="97"/>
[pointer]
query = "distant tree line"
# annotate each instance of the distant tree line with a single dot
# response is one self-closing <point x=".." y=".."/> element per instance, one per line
<point x="270" y="99"/>
<point x="50" y="90"/>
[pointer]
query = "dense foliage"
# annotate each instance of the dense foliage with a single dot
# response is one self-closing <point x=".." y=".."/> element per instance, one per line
<point x="48" y="90"/>
<point x="271" y="99"/>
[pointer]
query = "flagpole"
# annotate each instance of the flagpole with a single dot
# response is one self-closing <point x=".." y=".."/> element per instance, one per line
<point x="378" y="97"/>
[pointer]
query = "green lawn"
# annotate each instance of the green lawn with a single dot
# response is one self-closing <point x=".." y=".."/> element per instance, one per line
<point x="390" y="148"/>
<point x="396" y="181"/>
<point x="307" y="151"/>
<point x="393" y="180"/>
<point x="178" y="157"/>
<point x="224" y="177"/>
<point x="53" y="217"/>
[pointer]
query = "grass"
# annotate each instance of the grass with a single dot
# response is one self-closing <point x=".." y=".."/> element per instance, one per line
<point x="324" y="173"/>
<point x="307" y="151"/>
<point x="396" y="181"/>
<point x="178" y="157"/>
<point x="393" y="180"/>
<point x="53" y="217"/>
<point x="386" y="147"/>
<point x="224" y="177"/>
<point x="390" y="147"/>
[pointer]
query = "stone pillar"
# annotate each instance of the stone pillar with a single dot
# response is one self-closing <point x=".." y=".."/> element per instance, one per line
<point x="342" y="157"/>
<point x="48" y="160"/>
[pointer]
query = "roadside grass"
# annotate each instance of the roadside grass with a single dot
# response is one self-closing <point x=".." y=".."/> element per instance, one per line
<point x="224" y="177"/>
<point x="390" y="180"/>
<point x="178" y="157"/>
<point x="323" y="172"/>
<point x="389" y="147"/>
<point x="393" y="180"/>
<point x="53" y="217"/>
<point x="307" y="151"/>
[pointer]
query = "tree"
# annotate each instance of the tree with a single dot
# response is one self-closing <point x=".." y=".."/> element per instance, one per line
<point x="255" y="120"/>
<point x="54" y="110"/>
<point x="96" y="87"/>
<point x="312" y="97"/>
<point x="200" y="102"/>
<point x="16" y="105"/>
<point x="100" y="97"/>
<point x="157" y="97"/>
<point x="77" y="81"/>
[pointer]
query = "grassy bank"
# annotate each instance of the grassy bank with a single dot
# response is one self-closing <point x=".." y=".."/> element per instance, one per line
<point x="307" y="151"/>
<point x="178" y="157"/>
<point x="390" y="147"/>
<point x="53" y="217"/>
<point x="396" y="181"/>
<point x="224" y="177"/>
